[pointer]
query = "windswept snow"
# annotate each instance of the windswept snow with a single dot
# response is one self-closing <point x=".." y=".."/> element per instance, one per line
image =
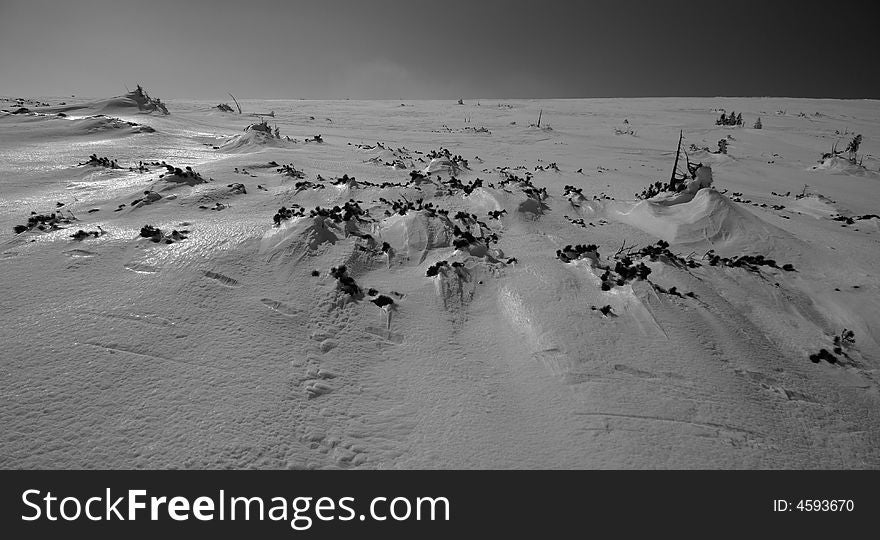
<point x="486" y="315"/>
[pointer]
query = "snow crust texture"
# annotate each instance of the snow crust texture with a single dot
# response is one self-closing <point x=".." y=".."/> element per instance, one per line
<point x="365" y="285"/>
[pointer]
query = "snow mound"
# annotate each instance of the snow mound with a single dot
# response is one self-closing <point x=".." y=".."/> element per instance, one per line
<point x="481" y="201"/>
<point x="816" y="205"/>
<point x="443" y="165"/>
<point x="174" y="180"/>
<point x="300" y="236"/>
<point x="707" y="217"/>
<point x="255" y="136"/>
<point x="839" y="165"/>
<point x="456" y="282"/>
<point x="414" y="234"/>
<point x="137" y="99"/>
<point x="101" y="123"/>
<point x="214" y="195"/>
<point x="701" y="180"/>
<point x="531" y="208"/>
<point x="48" y="126"/>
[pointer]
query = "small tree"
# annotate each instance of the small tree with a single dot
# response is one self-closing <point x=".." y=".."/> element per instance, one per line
<point x="853" y="148"/>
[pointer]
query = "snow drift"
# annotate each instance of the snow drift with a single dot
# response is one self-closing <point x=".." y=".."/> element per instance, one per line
<point x="135" y="101"/>
<point x="414" y="234"/>
<point x="709" y="217"/>
<point x="255" y="136"/>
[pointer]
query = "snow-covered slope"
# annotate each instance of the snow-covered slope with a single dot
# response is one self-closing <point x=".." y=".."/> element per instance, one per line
<point x="234" y="337"/>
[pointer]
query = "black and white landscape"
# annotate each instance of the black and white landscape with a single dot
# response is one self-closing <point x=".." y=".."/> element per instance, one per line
<point x="233" y="282"/>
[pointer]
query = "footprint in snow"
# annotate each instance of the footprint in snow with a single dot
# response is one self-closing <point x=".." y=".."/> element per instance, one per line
<point x="78" y="253"/>
<point x="385" y="334"/>
<point x="223" y="280"/>
<point x="141" y="268"/>
<point x="280" y="307"/>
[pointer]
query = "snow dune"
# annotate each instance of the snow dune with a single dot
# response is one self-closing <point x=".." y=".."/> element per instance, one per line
<point x="485" y="317"/>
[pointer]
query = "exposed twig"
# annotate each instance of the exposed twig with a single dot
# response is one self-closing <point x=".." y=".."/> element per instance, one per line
<point x="622" y="247"/>
<point x="236" y="102"/>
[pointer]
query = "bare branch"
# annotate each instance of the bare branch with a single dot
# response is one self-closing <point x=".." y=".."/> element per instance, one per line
<point x="236" y="102"/>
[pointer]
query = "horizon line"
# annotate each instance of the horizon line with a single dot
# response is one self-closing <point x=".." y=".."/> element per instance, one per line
<point x="9" y="96"/>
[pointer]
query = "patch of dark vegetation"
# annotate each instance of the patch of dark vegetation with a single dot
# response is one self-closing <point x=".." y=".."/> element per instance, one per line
<point x="218" y="206"/>
<point x="525" y="185"/>
<point x="465" y="239"/>
<point x="496" y="214"/>
<point x="606" y="310"/>
<point x="306" y="184"/>
<point x="550" y="167"/>
<point x="454" y="185"/>
<point x="660" y="252"/>
<point x="677" y="181"/>
<point x="752" y="263"/>
<point x="823" y="354"/>
<point x="149" y="197"/>
<point x="445" y="153"/>
<point x="628" y="265"/>
<point x="403" y="206"/>
<point x="343" y="180"/>
<point x="851" y="220"/>
<point x="105" y="162"/>
<point x="579" y="222"/>
<point x="284" y="214"/>
<point x="344" y="282"/>
<point x="82" y="235"/>
<point x="351" y="182"/>
<point x="844" y="341"/>
<point x="146" y="103"/>
<point x="291" y="171"/>
<point x="852" y="151"/>
<point x="187" y="173"/>
<point x="346" y="212"/>
<point x="263" y="127"/>
<point x="155" y="234"/>
<point x="572" y="192"/>
<point x="434" y="269"/>
<point x="470" y="220"/>
<point x="672" y="291"/>
<point x="237" y="189"/>
<point x="382" y="301"/>
<point x="441" y="268"/>
<point x="45" y="222"/>
<point x="572" y="253"/>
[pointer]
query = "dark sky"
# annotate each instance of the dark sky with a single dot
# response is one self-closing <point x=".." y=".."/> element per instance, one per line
<point x="444" y="49"/>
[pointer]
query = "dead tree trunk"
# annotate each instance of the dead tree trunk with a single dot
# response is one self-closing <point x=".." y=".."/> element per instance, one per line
<point x="673" y="179"/>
